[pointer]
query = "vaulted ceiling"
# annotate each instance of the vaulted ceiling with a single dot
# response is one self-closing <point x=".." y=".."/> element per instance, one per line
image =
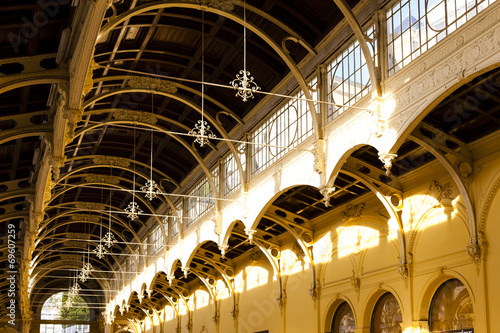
<point x="141" y="40"/>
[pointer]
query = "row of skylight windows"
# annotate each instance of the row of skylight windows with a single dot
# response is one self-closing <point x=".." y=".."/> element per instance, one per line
<point x="412" y="27"/>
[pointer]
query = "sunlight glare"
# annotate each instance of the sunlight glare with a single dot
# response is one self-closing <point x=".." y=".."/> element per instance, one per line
<point x="355" y="239"/>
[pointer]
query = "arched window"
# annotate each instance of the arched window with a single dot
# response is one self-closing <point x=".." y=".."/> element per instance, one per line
<point x="343" y="320"/>
<point x="55" y="308"/>
<point x="386" y="316"/>
<point x="451" y="308"/>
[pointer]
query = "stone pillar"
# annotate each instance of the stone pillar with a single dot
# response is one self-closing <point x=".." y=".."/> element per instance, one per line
<point x="108" y="328"/>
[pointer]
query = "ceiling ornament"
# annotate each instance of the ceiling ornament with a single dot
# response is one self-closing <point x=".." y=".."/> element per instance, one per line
<point x="135" y="116"/>
<point x="66" y="256"/>
<point x="152" y="84"/>
<point x="74" y="244"/>
<point x="201" y="131"/>
<point x="77" y="235"/>
<point x="224" y="5"/>
<point x="102" y="179"/>
<point x="85" y="218"/>
<point x="244" y="82"/>
<point x="89" y="206"/>
<point x="111" y="161"/>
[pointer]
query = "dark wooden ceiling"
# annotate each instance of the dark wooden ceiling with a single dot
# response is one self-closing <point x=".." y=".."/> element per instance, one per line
<point x="168" y="42"/>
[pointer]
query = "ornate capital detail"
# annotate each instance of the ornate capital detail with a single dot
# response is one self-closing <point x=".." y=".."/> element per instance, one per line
<point x="439" y="191"/>
<point x="356" y="283"/>
<point x="387" y="159"/>
<point x="235" y="312"/>
<point x="111" y="161"/>
<point x="327" y="193"/>
<point x="102" y="179"/>
<point x="47" y="194"/>
<point x="315" y="290"/>
<point x="90" y="205"/>
<point x="223" y="250"/>
<point x="353" y="212"/>
<point x="85" y="217"/>
<point x="255" y="255"/>
<point x="89" y="80"/>
<point x="56" y="163"/>
<point x="152" y="84"/>
<point x="73" y="116"/>
<point x="474" y="250"/>
<point x="224" y="5"/>
<point x="135" y="116"/>
<point x="250" y="233"/>
<point x="403" y="269"/>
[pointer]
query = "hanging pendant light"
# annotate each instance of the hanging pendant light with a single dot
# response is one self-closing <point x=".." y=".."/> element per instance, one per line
<point x="109" y="239"/>
<point x="86" y="269"/>
<point x="151" y="188"/>
<point x="201" y="130"/>
<point x="133" y="211"/>
<point x="244" y="82"/>
<point x="100" y="251"/>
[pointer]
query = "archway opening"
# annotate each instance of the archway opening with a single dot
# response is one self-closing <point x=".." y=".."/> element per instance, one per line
<point x="387" y="317"/>
<point x="64" y="313"/>
<point x="343" y="320"/>
<point x="451" y="309"/>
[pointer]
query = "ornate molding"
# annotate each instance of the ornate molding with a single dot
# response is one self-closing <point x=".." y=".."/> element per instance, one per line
<point x="387" y="159"/>
<point x="89" y="80"/>
<point x="327" y="193"/>
<point x="356" y="284"/>
<point x="111" y="161"/>
<point x="85" y="217"/>
<point x="152" y="84"/>
<point x="75" y="244"/>
<point x="102" y="179"/>
<point x="90" y="205"/>
<point x="353" y="212"/>
<point x="439" y="191"/>
<point x="487" y="205"/>
<point x="455" y="66"/>
<point x="66" y="256"/>
<point x="224" y="5"/>
<point x="135" y="116"/>
<point x="77" y="235"/>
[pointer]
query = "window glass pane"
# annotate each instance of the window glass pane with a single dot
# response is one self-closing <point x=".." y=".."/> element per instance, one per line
<point x="286" y="128"/>
<point x="413" y="26"/>
<point x="387" y="315"/>
<point x="343" y="320"/>
<point x="451" y="308"/>
<point x="347" y="76"/>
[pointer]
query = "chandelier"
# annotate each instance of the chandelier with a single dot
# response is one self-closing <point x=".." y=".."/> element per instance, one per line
<point x="201" y="130"/>
<point x="244" y="82"/>
<point x="100" y="251"/>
